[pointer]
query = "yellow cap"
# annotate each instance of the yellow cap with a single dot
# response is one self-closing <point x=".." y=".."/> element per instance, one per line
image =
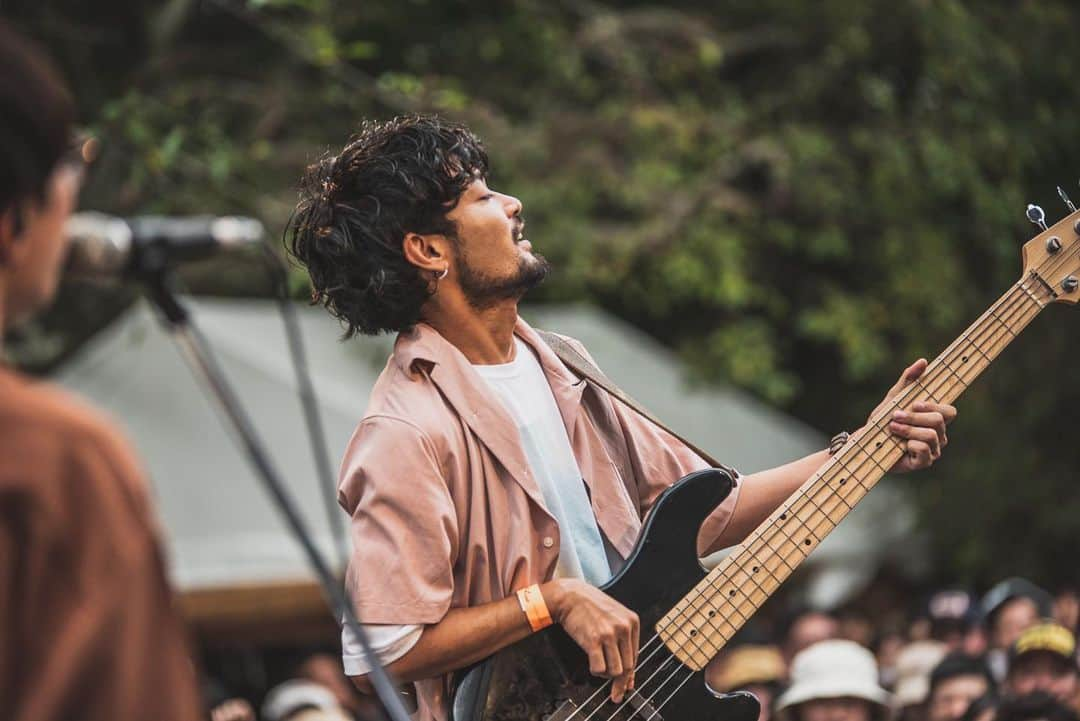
<point x="1047" y="636"/>
<point x="746" y="665"/>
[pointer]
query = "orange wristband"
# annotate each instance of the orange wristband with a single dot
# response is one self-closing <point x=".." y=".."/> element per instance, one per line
<point x="532" y="603"/>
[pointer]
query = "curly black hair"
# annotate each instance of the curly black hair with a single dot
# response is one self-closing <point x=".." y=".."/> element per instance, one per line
<point x="394" y="177"/>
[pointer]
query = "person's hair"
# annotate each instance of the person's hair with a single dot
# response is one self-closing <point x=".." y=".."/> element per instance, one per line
<point x="959" y="664"/>
<point x="789" y="620"/>
<point x="989" y="701"/>
<point x="36" y="116"/>
<point x="1034" y="706"/>
<point x="391" y="178"/>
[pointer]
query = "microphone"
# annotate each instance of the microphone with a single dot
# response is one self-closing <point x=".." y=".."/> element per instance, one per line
<point x="105" y="245"/>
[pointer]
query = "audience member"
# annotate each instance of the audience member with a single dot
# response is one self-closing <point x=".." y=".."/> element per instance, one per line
<point x="807" y="628"/>
<point x="1036" y="706"/>
<point x="954" y="684"/>
<point x="1008" y="609"/>
<point x="326" y="669"/>
<point x="1067" y="608"/>
<point x="983" y="708"/>
<point x="855" y="626"/>
<point x="952" y="613"/>
<point x="913" y="666"/>
<point x="302" y="700"/>
<point x="757" y="669"/>
<point x="834" y="680"/>
<point x="887" y="650"/>
<point x="1043" y="659"/>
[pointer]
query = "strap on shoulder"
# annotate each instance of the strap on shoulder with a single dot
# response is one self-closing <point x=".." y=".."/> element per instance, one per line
<point x="584" y="368"/>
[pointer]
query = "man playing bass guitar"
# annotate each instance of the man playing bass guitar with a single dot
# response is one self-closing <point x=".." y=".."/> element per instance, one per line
<point x="491" y="490"/>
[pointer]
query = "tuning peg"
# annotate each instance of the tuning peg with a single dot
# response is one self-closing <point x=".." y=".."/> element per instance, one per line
<point x="1065" y="199"/>
<point x="1036" y="215"/>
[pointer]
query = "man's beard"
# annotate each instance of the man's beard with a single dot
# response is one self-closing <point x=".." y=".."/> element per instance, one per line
<point x="483" y="292"/>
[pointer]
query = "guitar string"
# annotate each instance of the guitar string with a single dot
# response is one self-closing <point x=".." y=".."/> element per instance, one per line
<point x="943" y="382"/>
<point x="994" y="335"/>
<point x="793" y="509"/>
<point x="641" y="662"/>
<point x="815" y="492"/>
<point x="975" y="335"/>
<point x="674" y="674"/>
<point x="1012" y="317"/>
<point x="627" y="702"/>
<point x="1009" y="305"/>
<point x="813" y="495"/>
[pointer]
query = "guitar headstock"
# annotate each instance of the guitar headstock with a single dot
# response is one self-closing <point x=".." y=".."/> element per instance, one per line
<point x="1053" y="256"/>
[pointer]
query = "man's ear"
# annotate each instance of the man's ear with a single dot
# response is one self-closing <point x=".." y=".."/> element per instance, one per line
<point x="426" y="252"/>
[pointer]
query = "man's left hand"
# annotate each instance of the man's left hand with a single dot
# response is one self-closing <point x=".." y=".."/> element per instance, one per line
<point x="923" y="426"/>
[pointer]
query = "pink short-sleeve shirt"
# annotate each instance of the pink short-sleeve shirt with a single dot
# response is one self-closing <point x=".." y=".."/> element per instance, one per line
<point x="445" y="510"/>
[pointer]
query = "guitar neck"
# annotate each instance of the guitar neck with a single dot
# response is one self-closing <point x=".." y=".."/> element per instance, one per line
<point x="706" y="618"/>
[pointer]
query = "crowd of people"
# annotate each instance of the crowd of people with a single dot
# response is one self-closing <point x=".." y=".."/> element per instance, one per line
<point x="1010" y="655"/>
<point x="316" y="689"/>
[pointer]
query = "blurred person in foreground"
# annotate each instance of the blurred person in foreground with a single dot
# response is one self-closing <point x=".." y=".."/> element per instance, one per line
<point x="834" y="680"/>
<point x="955" y="684"/>
<point x="501" y="488"/>
<point x="758" y="669"/>
<point x="87" y="625"/>
<point x="914" y="663"/>
<point x="1009" y="608"/>
<point x="1043" y="659"/>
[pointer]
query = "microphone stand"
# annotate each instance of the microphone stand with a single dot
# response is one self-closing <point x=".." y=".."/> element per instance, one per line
<point x="157" y="279"/>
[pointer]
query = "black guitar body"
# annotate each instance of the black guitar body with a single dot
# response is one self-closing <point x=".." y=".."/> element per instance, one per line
<point x="546" y="676"/>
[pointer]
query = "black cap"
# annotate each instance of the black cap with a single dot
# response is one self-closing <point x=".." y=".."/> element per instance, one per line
<point x="1012" y="588"/>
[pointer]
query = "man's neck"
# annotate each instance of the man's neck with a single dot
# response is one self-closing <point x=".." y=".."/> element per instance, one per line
<point x="485" y="337"/>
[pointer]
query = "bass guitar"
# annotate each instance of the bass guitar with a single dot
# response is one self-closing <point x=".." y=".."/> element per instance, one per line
<point x="688" y="615"/>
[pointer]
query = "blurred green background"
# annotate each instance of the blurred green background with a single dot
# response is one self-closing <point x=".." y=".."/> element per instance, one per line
<point x="799" y="197"/>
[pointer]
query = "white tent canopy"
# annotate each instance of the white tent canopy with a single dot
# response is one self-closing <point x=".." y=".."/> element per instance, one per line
<point x="223" y="531"/>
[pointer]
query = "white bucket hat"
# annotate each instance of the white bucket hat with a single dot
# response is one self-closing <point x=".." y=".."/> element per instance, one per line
<point x="833" y="669"/>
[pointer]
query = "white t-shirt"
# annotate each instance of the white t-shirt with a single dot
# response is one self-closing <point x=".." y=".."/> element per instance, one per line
<point x="522" y="388"/>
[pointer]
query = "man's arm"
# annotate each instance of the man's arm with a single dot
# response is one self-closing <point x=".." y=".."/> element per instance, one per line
<point x="605" y="630"/>
<point x="761" y="493"/>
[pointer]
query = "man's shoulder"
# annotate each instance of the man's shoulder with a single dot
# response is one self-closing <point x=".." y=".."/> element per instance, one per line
<point x="31" y="409"/>
<point x="54" y="444"/>
<point x="405" y="402"/>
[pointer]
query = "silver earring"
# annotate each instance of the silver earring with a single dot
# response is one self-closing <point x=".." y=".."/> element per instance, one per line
<point x="443" y="274"/>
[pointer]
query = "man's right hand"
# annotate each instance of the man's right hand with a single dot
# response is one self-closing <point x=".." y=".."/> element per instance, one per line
<point x="605" y="629"/>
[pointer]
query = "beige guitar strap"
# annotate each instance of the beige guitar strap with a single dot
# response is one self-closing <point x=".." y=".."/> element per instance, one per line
<point x="583" y="368"/>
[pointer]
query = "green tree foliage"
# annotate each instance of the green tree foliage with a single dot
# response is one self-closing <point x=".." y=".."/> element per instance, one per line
<point x="799" y="197"/>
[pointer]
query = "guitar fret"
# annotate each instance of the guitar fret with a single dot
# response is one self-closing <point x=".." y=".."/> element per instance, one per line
<point x="740" y="584"/>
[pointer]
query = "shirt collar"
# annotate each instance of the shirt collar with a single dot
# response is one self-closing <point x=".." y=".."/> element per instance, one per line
<point x="423" y="345"/>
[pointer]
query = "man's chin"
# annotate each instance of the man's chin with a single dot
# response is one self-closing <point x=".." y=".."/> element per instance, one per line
<point x="482" y="293"/>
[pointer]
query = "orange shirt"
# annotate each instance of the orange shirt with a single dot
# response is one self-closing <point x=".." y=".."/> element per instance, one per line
<point x="87" y="625"/>
<point x="445" y="511"/>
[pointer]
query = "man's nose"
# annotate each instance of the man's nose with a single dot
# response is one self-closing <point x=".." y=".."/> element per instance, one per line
<point x="513" y="205"/>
